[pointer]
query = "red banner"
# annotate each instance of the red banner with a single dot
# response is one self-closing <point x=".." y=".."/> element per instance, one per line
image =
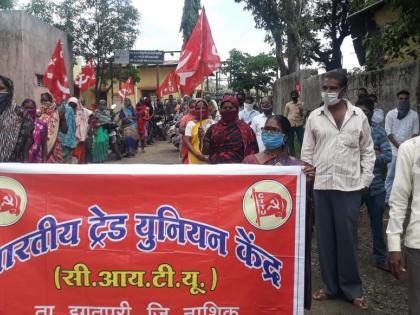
<point x="169" y="86"/>
<point x="117" y="239"/>
<point x="127" y="88"/>
<point x="87" y="77"/>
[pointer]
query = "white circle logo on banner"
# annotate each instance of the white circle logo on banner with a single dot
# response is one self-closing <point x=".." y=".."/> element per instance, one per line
<point x="267" y="204"/>
<point x="13" y="201"/>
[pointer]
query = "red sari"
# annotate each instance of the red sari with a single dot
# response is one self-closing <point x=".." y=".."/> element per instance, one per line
<point x="142" y="121"/>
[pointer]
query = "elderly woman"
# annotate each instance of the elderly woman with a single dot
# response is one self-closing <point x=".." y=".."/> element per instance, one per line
<point x="15" y="125"/>
<point x="275" y="138"/>
<point x="195" y="131"/>
<point x="56" y="121"/>
<point x="231" y="139"/>
<point x="128" y="118"/>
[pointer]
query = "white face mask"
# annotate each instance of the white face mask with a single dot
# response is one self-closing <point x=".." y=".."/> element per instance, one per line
<point x="330" y="99"/>
<point x="248" y="107"/>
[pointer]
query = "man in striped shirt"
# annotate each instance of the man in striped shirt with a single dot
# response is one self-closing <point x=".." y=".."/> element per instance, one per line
<point x="338" y="143"/>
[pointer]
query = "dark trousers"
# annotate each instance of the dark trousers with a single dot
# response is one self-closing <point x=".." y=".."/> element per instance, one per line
<point x="413" y="275"/>
<point x="336" y="214"/>
<point x="299" y="133"/>
<point x="376" y="206"/>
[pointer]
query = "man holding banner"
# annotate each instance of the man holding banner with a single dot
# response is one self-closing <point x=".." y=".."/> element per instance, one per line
<point x="339" y="145"/>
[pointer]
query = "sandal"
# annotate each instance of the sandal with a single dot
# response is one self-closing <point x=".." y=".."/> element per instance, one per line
<point x="320" y="295"/>
<point x="361" y="303"/>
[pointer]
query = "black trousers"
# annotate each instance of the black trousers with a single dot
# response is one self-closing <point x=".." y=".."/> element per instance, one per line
<point x="336" y="214"/>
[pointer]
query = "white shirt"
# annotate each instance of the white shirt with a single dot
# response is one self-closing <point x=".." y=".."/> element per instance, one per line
<point x="406" y="183"/>
<point x="378" y="116"/>
<point x="402" y="129"/>
<point x="192" y="123"/>
<point x="257" y="124"/>
<point x="344" y="158"/>
<point x="248" y="116"/>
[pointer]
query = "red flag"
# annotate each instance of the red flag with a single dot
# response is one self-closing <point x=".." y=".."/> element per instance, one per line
<point x="268" y="203"/>
<point x="127" y="88"/>
<point x="87" y="77"/>
<point x="9" y="202"/>
<point x="169" y="86"/>
<point x="55" y="77"/>
<point x="199" y="58"/>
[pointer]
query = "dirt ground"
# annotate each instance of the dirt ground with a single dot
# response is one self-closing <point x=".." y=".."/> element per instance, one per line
<point x="384" y="294"/>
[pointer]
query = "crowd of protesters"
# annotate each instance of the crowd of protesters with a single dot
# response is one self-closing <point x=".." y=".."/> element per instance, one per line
<point x="345" y="151"/>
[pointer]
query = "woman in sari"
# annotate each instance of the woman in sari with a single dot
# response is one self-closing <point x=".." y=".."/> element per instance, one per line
<point x="195" y="130"/>
<point x="100" y="135"/>
<point x="56" y="122"/>
<point x="274" y="136"/>
<point x="143" y="120"/>
<point x="15" y="125"/>
<point x="82" y="124"/>
<point x="128" y="120"/>
<point x="38" y="149"/>
<point x="231" y="139"/>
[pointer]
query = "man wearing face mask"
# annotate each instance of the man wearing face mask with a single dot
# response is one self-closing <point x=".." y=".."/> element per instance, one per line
<point x="248" y="113"/>
<point x="401" y="124"/>
<point x="259" y="121"/>
<point x="338" y="143"/>
<point x="294" y="112"/>
<point x="375" y="199"/>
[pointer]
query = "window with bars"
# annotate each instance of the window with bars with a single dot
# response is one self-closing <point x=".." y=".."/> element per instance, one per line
<point x="40" y="80"/>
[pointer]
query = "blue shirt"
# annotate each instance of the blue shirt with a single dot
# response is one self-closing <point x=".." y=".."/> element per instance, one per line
<point x="69" y="139"/>
<point x="381" y="144"/>
<point x="248" y="116"/>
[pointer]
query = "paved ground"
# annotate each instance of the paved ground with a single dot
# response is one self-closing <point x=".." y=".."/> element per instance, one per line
<point x="384" y="294"/>
<point x="161" y="152"/>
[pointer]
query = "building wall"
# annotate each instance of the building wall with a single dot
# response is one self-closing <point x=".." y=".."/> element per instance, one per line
<point x="148" y="82"/>
<point x="384" y="83"/>
<point x="26" y="47"/>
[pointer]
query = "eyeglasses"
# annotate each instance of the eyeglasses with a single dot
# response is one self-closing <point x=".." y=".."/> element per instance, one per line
<point x="271" y="130"/>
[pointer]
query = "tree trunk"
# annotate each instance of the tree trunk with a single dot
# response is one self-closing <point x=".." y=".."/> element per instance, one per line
<point x="293" y="51"/>
<point x="280" y="56"/>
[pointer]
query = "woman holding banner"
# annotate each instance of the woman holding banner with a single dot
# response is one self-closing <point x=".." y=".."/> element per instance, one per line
<point x="195" y="130"/>
<point x="275" y="136"/>
<point x="231" y="139"/>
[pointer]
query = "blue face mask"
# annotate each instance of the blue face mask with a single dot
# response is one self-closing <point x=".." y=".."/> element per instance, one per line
<point x="272" y="141"/>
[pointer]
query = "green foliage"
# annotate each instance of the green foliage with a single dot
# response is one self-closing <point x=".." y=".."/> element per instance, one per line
<point x="189" y="18"/>
<point x="398" y="39"/>
<point x="330" y="28"/>
<point x="286" y="22"/>
<point x="97" y="28"/>
<point x="7" y="4"/>
<point x="42" y="9"/>
<point x="250" y="72"/>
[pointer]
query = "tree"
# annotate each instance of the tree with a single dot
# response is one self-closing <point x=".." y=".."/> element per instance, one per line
<point x="42" y="9"/>
<point x="97" y="28"/>
<point x="330" y="22"/>
<point x="250" y="72"/>
<point x="286" y="22"/>
<point x="189" y="18"/>
<point x="397" y="39"/>
<point x="7" y="4"/>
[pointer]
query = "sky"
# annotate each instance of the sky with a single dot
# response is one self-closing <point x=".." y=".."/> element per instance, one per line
<point x="231" y="26"/>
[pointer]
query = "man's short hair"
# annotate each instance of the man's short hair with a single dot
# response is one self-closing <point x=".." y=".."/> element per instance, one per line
<point x="338" y="75"/>
<point x="294" y="93"/>
<point x="404" y="92"/>
<point x="366" y="101"/>
<point x="250" y="99"/>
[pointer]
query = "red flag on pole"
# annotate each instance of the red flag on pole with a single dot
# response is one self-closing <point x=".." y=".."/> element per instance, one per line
<point x="127" y="88"/>
<point x="55" y="77"/>
<point x="199" y="58"/>
<point x="87" y="77"/>
<point x="169" y="86"/>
